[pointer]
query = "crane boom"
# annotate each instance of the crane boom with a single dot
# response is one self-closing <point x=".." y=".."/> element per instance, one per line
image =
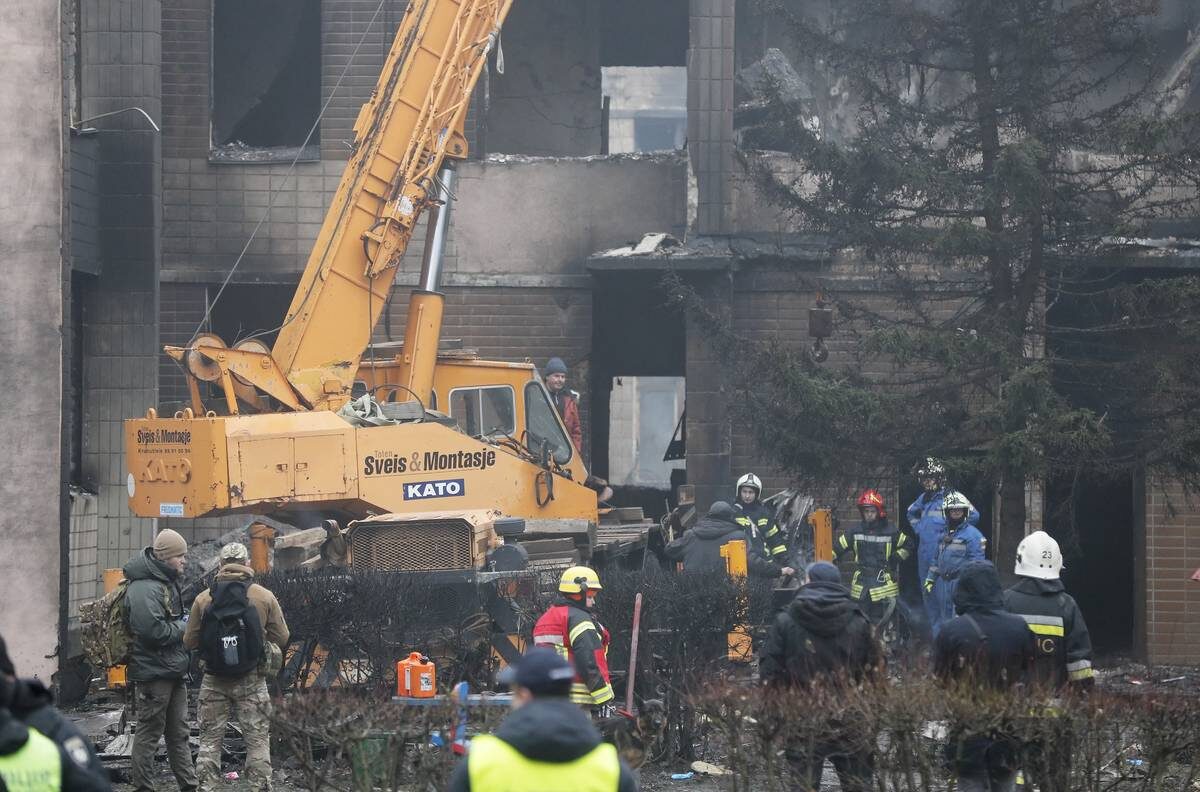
<point x="413" y="120"/>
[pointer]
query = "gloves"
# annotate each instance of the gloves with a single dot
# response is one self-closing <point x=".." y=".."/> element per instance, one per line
<point x="928" y="586"/>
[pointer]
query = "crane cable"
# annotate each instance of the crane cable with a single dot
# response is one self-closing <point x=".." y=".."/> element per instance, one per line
<point x="286" y="178"/>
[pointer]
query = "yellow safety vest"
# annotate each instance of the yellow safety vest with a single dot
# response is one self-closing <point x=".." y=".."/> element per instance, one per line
<point x="495" y="766"/>
<point x="36" y="767"/>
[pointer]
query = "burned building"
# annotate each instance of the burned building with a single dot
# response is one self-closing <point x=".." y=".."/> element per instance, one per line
<point x="205" y="139"/>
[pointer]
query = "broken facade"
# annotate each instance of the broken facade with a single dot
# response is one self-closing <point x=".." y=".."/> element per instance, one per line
<point x="526" y="273"/>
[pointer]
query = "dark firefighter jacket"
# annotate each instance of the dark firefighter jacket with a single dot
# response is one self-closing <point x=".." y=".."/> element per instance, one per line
<point x="876" y="549"/>
<point x="575" y="634"/>
<point x="700" y="549"/>
<point x="822" y="633"/>
<point x="765" y="535"/>
<point x="31" y="703"/>
<point x="155" y="611"/>
<point x="546" y="730"/>
<point x="1064" y="648"/>
<point x="984" y="643"/>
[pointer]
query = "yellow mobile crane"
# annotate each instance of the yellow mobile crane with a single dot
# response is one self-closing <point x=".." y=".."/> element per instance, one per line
<point x="458" y="453"/>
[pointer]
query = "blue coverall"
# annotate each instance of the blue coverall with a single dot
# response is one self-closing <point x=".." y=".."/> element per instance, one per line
<point x="955" y="550"/>
<point x="929" y="524"/>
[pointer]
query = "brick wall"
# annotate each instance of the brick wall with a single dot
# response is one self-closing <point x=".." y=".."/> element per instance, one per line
<point x="1172" y="554"/>
<point x="85" y="580"/>
<point x="710" y="110"/>
<point x="708" y="392"/>
<point x="181" y="309"/>
<point x="121" y="67"/>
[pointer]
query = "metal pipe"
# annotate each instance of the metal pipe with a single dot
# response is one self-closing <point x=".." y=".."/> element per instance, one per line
<point x="435" y="234"/>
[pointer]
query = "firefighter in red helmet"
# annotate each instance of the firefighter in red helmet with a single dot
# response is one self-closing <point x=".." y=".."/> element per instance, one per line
<point x="876" y="548"/>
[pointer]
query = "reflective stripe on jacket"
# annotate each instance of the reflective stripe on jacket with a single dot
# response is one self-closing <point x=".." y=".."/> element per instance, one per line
<point x="495" y="766"/>
<point x="576" y="636"/>
<point x="1064" y="645"/>
<point x="34" y="767"/>
<point x="875" y="548"/>
<point x="766" y="537"/>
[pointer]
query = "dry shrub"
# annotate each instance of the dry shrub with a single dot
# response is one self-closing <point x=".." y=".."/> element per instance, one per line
<point x="366" y="621"/>
<point x="338" y="740"/>
<point x="1119" y="743"/>
<point x="683" y="638"/>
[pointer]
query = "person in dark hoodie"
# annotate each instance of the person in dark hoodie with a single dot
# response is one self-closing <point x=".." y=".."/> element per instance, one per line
<point x="824" y="638"/>
<point x="158" y="660"/>
<point x="31" y="703"/>
<point x="700" y="546"/>
<point x="546" y="743"/>
<point x="986" y="647"/>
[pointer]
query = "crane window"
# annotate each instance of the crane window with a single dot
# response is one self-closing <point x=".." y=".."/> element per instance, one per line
<point x="544" y="425"/>
<point x="484" y="411"/>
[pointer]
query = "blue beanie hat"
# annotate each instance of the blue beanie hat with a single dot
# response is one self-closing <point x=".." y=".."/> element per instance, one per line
<point x="823" y="571"/>
<point x="555" y="366"/>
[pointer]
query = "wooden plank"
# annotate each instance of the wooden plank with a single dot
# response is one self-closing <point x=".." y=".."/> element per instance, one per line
<point x="306" y="538"/>
<point x="540" y="547"/>
<point x="536" y="529"/>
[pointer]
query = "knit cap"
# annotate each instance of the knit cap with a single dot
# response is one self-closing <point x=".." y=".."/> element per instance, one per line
<point x="169" y="544"/>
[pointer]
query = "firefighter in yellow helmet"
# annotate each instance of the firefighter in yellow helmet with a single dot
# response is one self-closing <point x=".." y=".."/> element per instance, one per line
<point x="571" y="629"/>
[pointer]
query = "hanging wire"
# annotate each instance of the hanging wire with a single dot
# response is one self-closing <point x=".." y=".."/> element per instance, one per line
<point x="286" y="178"/>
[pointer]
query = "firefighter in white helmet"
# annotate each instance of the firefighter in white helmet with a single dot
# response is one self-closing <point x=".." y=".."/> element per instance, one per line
<point x="1039" y="597"/>
<point x="763" y="534"/>
<point x="1064" y="650"/>
<point x="572" y="630"/>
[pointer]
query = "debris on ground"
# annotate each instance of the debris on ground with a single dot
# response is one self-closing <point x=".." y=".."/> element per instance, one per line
<point x="1131" y="677"/>
<point x="709" y="769"/>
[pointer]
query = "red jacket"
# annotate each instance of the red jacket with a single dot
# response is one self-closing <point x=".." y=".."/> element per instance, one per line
<point x="583" y="641"/>
<point x="568" y="408"/>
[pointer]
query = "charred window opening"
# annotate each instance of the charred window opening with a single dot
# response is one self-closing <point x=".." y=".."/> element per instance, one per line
<point x="637" y="33"/>
<point x="643" y="55"/>
<point x="647" y="107"/>
<point x="266" y="79"/>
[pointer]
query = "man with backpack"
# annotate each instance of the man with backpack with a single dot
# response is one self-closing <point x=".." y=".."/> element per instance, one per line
<point x="239" y="629"/>
<point x="158" y="660"/>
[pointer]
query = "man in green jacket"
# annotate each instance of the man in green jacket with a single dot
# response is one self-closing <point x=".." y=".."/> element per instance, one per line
<point x="158" y="660"/>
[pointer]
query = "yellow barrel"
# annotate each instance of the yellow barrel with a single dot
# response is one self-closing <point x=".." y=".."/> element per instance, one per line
<point x="261" y="537"/>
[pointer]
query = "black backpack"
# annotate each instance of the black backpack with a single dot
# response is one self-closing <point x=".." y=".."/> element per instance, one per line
<point x="231" y="635"/>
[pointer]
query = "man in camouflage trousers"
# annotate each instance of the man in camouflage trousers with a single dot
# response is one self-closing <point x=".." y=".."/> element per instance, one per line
<point x="220" y="694"/>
